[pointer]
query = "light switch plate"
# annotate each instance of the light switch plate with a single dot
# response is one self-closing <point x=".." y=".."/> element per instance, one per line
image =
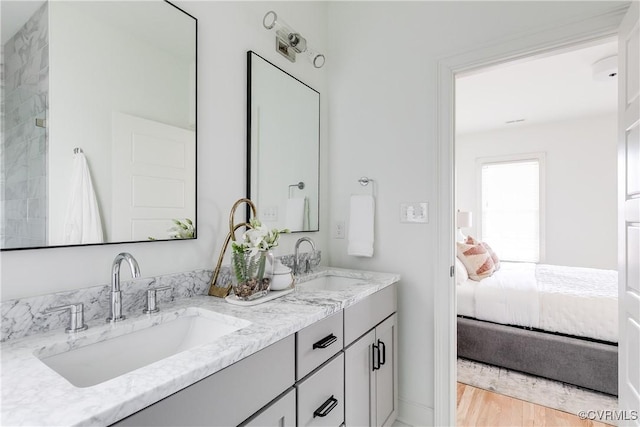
<point x="338" y="230"/>
<point x="269" y="214"/>
<point x="414" y="212"/>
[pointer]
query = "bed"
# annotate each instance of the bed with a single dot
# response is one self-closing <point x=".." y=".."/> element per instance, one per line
<point x="552" y="321"/>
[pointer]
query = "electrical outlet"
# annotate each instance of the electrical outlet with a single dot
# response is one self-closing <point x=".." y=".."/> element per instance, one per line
<point x="338" y="230"/>
<point x="414" y="212"/>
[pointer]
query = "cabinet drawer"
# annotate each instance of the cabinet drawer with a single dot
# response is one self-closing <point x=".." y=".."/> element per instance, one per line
<point x="227" y="397"/>
<point x="279" y="413"/>
<point x="361" y="317"/>
<point x="321" y="396"/>
<point x="317" y="343"/>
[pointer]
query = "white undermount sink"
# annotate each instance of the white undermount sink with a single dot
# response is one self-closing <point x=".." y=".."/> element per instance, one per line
<point x="331" y="283"/>
<point x="101" y="361"/>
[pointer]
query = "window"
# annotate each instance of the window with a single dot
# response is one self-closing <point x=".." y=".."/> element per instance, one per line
<point x="511" y="208"/>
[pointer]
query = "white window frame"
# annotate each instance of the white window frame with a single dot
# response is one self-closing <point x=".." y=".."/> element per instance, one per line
<point x="514" y="158"/>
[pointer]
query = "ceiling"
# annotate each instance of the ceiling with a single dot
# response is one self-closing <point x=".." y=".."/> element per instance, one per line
<point x="540" y="89"/>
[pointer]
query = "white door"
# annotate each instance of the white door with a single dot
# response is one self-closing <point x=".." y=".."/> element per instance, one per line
<point x="629" y="220"/>
<point x="153" y="178"/>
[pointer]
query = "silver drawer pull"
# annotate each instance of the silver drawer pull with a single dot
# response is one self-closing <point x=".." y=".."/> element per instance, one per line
<point x="326" y="407"/>
<point x="325" y="342"/>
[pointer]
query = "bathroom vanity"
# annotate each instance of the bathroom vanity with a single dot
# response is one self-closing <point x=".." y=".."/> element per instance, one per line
<point x="322" y="355"/>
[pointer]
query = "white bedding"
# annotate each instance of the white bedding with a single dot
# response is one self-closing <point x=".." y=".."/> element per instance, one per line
<point x="570" y="300"/>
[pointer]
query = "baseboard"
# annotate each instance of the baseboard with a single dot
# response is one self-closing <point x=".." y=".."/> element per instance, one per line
<point x="414" y="414"/>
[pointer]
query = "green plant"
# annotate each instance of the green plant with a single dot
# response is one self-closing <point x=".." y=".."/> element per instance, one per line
<point x="182" y="230"/>
<point x="249" y="255"/>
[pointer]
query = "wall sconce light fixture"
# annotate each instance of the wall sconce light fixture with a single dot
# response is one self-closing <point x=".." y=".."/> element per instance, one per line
<point x="289" y="42"/>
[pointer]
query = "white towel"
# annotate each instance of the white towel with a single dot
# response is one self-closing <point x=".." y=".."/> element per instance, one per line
<point x="296" y="213"/>
<point x="82" y="222"/>
<point x="361" y="226"/>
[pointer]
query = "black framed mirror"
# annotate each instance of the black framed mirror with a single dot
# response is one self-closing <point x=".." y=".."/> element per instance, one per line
<point x="283" y="147"/>
<point x="107" y="88"/>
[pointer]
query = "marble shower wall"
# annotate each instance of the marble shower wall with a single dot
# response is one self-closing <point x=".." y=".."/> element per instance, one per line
<point x="23" y="181"/>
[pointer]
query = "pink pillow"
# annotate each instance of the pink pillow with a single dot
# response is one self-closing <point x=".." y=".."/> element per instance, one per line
<point x="494" y="257"/>
<point x="496" y="261"/>
<point x="476" y="260"/>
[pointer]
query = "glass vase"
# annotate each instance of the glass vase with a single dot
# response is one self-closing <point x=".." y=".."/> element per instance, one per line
<point x="249" y="278"/>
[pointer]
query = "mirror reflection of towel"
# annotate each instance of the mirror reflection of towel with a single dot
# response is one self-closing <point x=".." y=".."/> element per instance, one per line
<point x="361" y="225"/>
<point x="82" y="222"/>
<point x="296" y="213"/>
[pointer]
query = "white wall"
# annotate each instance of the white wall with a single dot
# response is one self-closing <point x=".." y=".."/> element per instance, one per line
<point x="226" y="31"/>
<point x="383" y="99"/>
<point x="581" y="181"/>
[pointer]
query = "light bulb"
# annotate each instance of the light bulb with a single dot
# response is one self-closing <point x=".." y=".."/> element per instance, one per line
<point x="313" y="56"/>
<point x="282" y="29"/>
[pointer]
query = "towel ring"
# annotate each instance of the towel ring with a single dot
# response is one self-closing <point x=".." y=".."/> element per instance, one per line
<point x="300" y="186"/>
<point x="364" y="181"/>
<point x="77" y="150"/>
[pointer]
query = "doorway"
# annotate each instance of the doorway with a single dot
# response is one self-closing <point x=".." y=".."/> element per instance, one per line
<point x="595" y="28"/>
<point x="529" y="136"/>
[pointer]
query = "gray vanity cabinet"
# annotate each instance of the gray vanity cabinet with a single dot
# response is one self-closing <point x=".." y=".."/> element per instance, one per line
<point x="385" y="398"/>
<point x="371" y="369"/>
<point x="317" y="343"/>
<point x="339" y="370"/>
<point x="359" y="381"/>
<point x="321" y="396"/>
<point x="228" y="397"/>
<point x="279" y="413"/>
<point x="320" y="372"/>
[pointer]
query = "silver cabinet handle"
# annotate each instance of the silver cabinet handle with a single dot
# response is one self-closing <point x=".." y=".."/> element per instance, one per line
<point x="152" y="302"/>
<point x="76" y="319"/>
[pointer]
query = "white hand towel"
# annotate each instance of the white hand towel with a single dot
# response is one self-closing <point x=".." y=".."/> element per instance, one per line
<point x="295" y="213"/>
<point x="361" y="226"/>
<point x="82" y="222"/>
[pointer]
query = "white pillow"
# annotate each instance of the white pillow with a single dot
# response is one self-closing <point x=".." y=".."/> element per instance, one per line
<point x="462" y="275"/>
<point x="476" y="259"/>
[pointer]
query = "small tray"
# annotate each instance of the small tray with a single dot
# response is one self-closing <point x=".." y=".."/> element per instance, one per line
<point x="232" y="299"/>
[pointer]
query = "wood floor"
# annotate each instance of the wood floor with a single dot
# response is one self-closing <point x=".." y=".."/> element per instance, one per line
<point x="481" y="408"/>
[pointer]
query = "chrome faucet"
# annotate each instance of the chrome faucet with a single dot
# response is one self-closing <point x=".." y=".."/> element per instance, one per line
<point x="296" y="258"/>
<point x="116" y="295"/>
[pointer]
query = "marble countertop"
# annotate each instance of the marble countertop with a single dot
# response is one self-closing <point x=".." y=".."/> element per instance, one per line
<point x="33" y="394"/>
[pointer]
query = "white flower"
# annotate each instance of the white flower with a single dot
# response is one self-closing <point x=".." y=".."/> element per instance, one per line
<point x="258" y="238"/>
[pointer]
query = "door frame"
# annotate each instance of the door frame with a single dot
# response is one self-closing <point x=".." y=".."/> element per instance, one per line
<point x="583" y="30"/>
